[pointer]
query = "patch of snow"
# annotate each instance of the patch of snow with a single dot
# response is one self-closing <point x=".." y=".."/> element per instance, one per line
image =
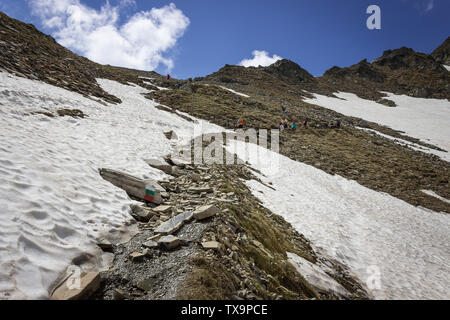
<point x="371" y="232"/>
<point x="424" y="119"/>
<point x="54" y="204"/>
<point x="152" y="84"/>
<point x="235" y="92"/>
<point x="434" y="194"/>
<point x="447" y="67"/>
<point x="441" y="154"/>
<point x="316" y="276"/>
<point x="146" y="78"/>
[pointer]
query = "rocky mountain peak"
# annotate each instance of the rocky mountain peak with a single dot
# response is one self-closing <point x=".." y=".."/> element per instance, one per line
<point x="442" y="53"/>
<point x="289" y="70"/>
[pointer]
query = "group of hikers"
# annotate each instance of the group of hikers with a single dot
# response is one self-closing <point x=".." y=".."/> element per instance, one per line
<point x="179" y="84"/>
<point x="284" y="124"/>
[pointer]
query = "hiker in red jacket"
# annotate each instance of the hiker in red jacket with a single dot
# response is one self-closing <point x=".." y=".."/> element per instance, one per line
<point x="305" y="123"/>
<point x="168" y="76"/>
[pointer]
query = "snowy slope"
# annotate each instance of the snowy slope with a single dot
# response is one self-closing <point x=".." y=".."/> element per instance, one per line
<point x="365" y="229"/>
<point x="441" y="154"/>
<point x="53" y="203"/>
<point x="424" y="119"/>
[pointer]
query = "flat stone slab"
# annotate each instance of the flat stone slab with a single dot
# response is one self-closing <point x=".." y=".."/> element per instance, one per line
<point x="160" y="165"/>
<point x="169" y="242"/>
<point x="175" y="223"/>
<point x="211" y="245"/>
<point x="200" y="190"/>
<point x="74" y="290"/>
<point x="154" y="237"/>
<point x="205" y="212"/>
<point x="162" y="209"/>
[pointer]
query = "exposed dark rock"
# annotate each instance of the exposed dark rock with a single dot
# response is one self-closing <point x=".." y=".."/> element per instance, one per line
<point x="407" y="58"/>
<point x="290" y="71"/>
<point x="74" y="113"/>
<point x="442" y="53"/>
<point x="362" y="70"/>
<point x="387" y="103"/>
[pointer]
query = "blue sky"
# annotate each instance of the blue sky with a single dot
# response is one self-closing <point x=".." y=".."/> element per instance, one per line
<point x="201" y="36"/>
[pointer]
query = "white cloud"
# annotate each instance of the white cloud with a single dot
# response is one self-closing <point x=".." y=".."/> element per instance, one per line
<point x="260" y="58"/>
<point x="140" y="43"/>
<point x="125" y="3"/>
<point x="423" y="6"/>
<point x="430" y="5"/>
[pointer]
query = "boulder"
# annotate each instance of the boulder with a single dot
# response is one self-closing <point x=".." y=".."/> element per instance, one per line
<point x="169" y="242"/>
<point x="134" y="186"/>
<point x="141" y="213"/>
<point x="160" y="165"/>
<point x="69" y="290"/>
<point x="205" y="212"/>
<point x="150" y="244"/>
<point x="136" y="256"/>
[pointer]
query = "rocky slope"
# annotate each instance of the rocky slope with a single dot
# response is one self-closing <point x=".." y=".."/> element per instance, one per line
<point x="232" y="247"/>
<point x="26" y="52"/>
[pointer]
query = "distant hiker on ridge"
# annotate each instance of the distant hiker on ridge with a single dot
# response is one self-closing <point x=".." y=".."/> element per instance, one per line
<point x="293" y="126"/>
<point x="168" y="76"/>
<point x="305" y="123"/>
<point x="240" y="123"/>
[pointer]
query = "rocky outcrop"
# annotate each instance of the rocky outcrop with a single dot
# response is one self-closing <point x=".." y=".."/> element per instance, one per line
<point x="362" y="70"/>
<point x="407" y="58"/>
<point x="442" y="53"/>
<point x="289" y="71"/>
